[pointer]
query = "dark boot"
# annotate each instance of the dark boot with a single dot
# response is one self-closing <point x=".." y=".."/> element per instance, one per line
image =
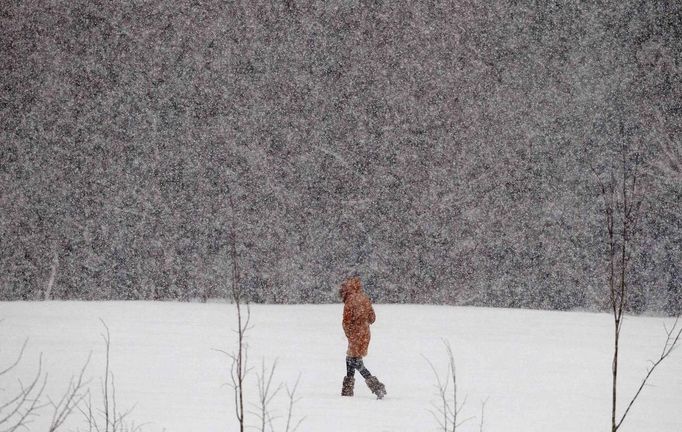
<point x="347" y="388"/>
<point x="376" y="386"/>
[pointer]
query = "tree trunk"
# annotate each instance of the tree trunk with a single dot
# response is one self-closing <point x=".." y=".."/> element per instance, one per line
<point x="53" y="275"/>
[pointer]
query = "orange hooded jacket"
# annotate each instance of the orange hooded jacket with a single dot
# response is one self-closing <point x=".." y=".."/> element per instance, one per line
<point x="358" y="314"/>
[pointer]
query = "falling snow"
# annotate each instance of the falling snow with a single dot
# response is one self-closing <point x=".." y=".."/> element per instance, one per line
<point x="450" y="153"/>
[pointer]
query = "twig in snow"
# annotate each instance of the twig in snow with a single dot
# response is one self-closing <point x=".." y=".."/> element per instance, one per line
<point x="447" y="409"/>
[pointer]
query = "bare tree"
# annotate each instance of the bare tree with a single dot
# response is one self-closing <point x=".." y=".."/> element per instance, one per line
<point x="265" y="395"/>
<point x="238" y="368"/>
<point x="447" y="409"/>
<point x="291" y="393"/>
<point x="108" y="418"/>
<point x="621" y="199"/>
<point x="622" y="204"/>
<point x="239" y="358"/>
<point x="71" y="399"/>
<point x="17" y="412"/>
<point x="673" y="337"/>
<point x="53" y="273"/>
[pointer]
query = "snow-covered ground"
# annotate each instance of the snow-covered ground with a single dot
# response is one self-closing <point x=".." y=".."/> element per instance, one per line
<point x="537" y="370"/>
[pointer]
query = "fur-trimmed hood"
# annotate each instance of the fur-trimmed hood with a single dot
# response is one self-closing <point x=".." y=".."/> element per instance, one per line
<point x="350" y="286"/>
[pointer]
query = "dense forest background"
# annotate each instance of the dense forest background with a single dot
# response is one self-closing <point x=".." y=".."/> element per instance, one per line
<point x="449" y="152"/>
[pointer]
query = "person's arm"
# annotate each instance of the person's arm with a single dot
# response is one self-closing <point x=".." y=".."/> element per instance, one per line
<point x="347" y="319"/>
<point x="371" y="316"/>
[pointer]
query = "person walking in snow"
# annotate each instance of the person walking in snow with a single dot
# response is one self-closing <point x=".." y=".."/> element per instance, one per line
<point x="358" y="315"/>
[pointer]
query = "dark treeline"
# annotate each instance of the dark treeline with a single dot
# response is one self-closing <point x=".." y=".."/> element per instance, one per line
<point x="445" y="152"/>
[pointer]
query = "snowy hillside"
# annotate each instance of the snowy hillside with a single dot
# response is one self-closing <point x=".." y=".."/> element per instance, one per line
<point x="538" y="371"/>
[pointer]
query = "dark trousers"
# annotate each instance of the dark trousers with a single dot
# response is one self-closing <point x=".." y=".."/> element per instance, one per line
<point x="355" y="363"/>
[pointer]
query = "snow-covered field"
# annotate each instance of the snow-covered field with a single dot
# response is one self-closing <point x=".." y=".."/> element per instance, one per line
<point x="537" y="370"/>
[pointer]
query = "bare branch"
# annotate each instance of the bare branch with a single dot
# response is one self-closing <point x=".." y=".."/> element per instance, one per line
<point x="265" y="394"/>
<point x="16" y="362"/>
<point x="105" y="389"/>
<point x="238" y="368"/>
<point x="623" y="202"/>
<point x="483" y="404"/>
<point x="107" y="418"/>
<point x="291" y="393"/>
<point x="71" y="399"/>
<point x="448" y="408"/>
<point x="26" y="403"/>
<point x="670" y="344"/>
